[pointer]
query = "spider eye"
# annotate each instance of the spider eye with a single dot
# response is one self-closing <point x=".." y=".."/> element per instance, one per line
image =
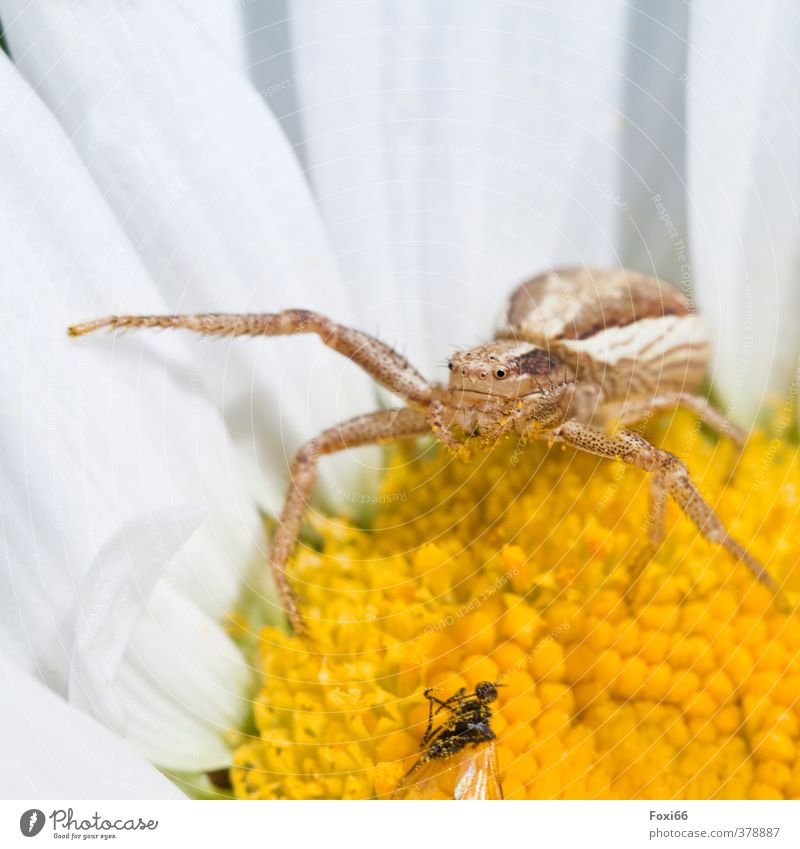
<point x="500" y="373"/>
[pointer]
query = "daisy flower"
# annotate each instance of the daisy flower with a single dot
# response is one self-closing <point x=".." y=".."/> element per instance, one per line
<point x="399" y="168"/>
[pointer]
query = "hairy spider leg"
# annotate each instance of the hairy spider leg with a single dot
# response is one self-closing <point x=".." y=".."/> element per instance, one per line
<point x="671" y="476"/>
<point x="383" y="426"/>
<point x="380" y="361"/>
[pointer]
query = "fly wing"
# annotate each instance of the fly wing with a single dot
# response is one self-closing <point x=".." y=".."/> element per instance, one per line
<point x="623" y="330"/>
<point x="479" y="776"/>
<point x="468" y="774"/>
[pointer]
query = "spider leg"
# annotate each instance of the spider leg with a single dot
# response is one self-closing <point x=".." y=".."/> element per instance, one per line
<point x="671" y="474"/>
<point x="632" y="411"/>
<point x="383" y="426"/>
<point x="440" y="428"/>
<point x="655" y="526"/>
<point x="381" y="362"/>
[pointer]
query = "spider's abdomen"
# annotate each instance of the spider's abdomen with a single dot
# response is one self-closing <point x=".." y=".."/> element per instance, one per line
<point x="630" y="333"/>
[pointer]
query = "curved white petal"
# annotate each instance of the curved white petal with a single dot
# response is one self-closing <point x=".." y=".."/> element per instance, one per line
<point x="184" y="684"/>
<point x="93" y="431"/>
<point x="147" y="662"/>
<point x="744" y="169"/>
<point x="111" y="600"/>
<point x="53" y="751"/>
<point x="203" y="180"/>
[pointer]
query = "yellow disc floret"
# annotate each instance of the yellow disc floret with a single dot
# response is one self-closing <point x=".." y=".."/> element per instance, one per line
<point x="514" y="568"/>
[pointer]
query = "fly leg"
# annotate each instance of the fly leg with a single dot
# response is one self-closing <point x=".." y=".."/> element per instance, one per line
<point x="457" y="699"/>
<point x="432" y="700"/>
<point x="426" y="737"/>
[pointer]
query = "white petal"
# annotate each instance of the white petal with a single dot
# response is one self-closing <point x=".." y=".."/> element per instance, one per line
<point x="457" y="149"/>
<point x="93" y="431"/>
<point x="744" y="170"/>
<point x="185" y="686"/>
<point x="203" y="180"/>
<point x="651" y="148"/>
<point x="170" y="681"/>
<point x="111" y="600"/>
<point x="224" y="24"/>
<point x="53" y="751"/>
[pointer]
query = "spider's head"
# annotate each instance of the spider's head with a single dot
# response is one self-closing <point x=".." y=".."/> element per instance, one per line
<point x="508" y="369"/>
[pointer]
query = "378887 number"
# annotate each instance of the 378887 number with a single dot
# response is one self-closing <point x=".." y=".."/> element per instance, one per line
<point x="757" y="832"/>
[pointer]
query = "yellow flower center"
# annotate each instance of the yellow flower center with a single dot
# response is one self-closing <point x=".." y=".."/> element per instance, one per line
<point x="514" y="567"/>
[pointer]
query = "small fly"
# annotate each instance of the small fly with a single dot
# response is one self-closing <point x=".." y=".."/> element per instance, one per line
<point x="458" y="758"/>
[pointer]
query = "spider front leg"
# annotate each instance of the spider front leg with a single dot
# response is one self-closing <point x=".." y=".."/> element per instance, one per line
<point x="379" y="360"/>
<point x="383" y="426"/>
<point x="437" y="413"/>
<point x="671" y="476"/>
